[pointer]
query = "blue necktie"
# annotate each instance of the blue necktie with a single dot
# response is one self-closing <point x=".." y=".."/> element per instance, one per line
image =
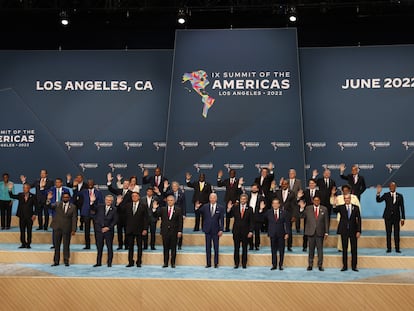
<point x="349" y="211"/>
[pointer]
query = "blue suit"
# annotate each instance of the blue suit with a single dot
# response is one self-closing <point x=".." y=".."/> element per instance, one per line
<point x="54" y="200"/>
<point x="277" y="229"/>
<point x="212" y="225"/>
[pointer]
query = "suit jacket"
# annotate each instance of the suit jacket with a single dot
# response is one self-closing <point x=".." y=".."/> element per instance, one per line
<point x="307" y="196"/>
<point x="40" y="194"/>
<point x="25" y="209"/>
<point x="392" y="211"/>
<point x="242" y="226"/>
<point x="86" y="203"/>
<point x="77" y="200"/>
<point x="170" y="226"/>
<point x="64" y="221"/>
<point x="279" y="228"/>
<point x="348" y="225"/>
<point x="297" y="185"/>
<point x="212" y="224"/>
<point x="135" y="224"/>
<point x="105" y="220"/>
<point x="54" y="198"/>
<point x="264" y="188"/>
<point x="325" y="192"/>
<point x="232" y="192"/>
<point x="151" y="181"/>
<point x="201" y="196"/>
<point x="289" y="205"/>
<point x="258" y="217"/>
<point x="356" y="188"/>
<point x="180" y="202"/>
<point x="152" y="216"/>
<point x="314" y="226"/>
<point x="126" y="198"/>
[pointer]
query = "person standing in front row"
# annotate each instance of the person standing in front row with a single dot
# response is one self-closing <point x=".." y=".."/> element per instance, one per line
<point x="394" y="214"/>
<point x="171" y="228"/>
<point x="106" y="217"/>
<point x="213" y="215"/>
<point x="64" y="223"/>
<point x="242" y="228"/>
<point x="349" y="228"/>
<point x="279" y="231"/>
<point x="26" y="211"/>
<point x="316" y="229"/>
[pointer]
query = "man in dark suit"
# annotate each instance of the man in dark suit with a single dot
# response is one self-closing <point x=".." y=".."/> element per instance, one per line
<point x="90" y="197"/>
<point x="265" y="179"/>
<point x="26" y="213"/>
<point x="171" y="228"/>
<point x="278" y="231"/>
<point x="307" y="196"/>
<point x="41" y="185"/>
<point x="202" y="191"/>
<point x="233" y="191"/>
<point x="148" y="201"/>
<point x="287" y="201"/>
<point x="106" y="217"/>
<point x="242" y="228"/>
<point x="394" y="214"/>
<point x="257" y="202"/>
<point x="125" y="194"/>
<point x="316" y="229"/>
<point x="356" y="181"/>
<point x="77" y="200"/>
<point x="136" y="227"/>
<point x="179" y="196"/>
<point x="349" y="228"/>
<point x="64" y="223"/>
<point x="156" y="181"/>
<point x="325" y="185"/>
<point x="213" y="215"/>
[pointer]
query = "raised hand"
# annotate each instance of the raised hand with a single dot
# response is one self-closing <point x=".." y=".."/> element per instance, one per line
<point x="10" y="185"/>
<point x="49" y="195"/>
<point x="241" y="181"/>
<point x="68" y="177"/>
<point x="282" y="179"/>
<point x="119" y="199"/>
<point x="300" y="193"/>
<point x="109" y="177"/>
<point x="220" y="174"/>
<point x="342" y="167"/>
<point x="155" y="204"/>
<point x="302" y="204"/>
<point x="262" y="205"/>
<point x="92" y="198"/>
<point x="146" y="173"/>
<point x="42" y="183"/>
<point x="333" y="191"/>
<point x="315" y="173"/>
<point x="118" y="177"/>
<point x="22" y="179"/>
<point x="166" y="184"/>
<point x="229" y="206"/>
<point x="379" y="189"/>
<point x="157" y="190"/>
<point x="271" y="166"/>
<point x="197" y="205"/>
<point x="187" y="176"/>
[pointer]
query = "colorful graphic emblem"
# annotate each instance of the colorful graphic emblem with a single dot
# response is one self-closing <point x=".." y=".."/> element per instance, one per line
<point x="199" y="82"/>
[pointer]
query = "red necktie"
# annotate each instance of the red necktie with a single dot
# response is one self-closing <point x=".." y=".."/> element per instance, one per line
<point x="316" y="213"/>
<point x="276" y="217"/>
<point x="169" y="212"/>
<point x="242" y="212"/>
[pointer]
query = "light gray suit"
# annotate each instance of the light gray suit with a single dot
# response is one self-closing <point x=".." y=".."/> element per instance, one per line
<point x="297" y="185"/>
<point x="63" y="225"/>
<point x="315" y="230"/>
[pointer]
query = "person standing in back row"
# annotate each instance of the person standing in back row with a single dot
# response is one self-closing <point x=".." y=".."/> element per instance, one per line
<point x="356" y="181"/>
<point x="202" y="191"/>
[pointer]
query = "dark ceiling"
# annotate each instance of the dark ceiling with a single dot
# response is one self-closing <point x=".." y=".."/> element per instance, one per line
<point x="151" y="24"/>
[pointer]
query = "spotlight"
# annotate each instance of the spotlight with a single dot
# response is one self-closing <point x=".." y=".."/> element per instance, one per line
<point x="292" y="14"/>
<point x="64" y="19"/>
<point x="181" y="17"/>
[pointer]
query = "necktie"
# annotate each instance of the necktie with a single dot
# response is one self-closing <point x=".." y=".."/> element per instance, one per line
<point x="349" y="211"/>
<point x="242" y="211"/>
<point x="124" y="192"/>
<point x="394" y="198"/>
<point x="316" y="213"/>
<point x="355" y="179"/>
<point x="291" y="184"/>
<point x="276" y="215"/>
<point x="26" y="197"/>
<point x="157" y="181"/>
<point x="169" y="212"/>
<point x="212" y="210"/>
<point x="284" y="195"/>
<point x="58" y="196"/>
<point x="176" y="196"/>
<point x="231" y="182"/>
<point x="201" y="186"/>
<point x="327" y="182"/>
<point x="261" y="181"/>
<point x="134" y="210"/>
<point x="312" y="193"/>
<point x="65" y="207"/>
<point x="90" y="194"/>
<point x="106" y="210"/>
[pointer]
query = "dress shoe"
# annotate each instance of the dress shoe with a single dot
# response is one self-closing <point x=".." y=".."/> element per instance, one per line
<point x="138" y="265"/>
<point x="208" y="266"/>
<point x="126" y="247"/>
<point x="28" y="246"/>
<point x="153" y="248"/>
<point x="45" y="228"/>
<point x="195" y="230"/>
<point x="55" y="264"/>
<point x="165" y="266"/>
<point x="273" y="268"/>
<point x="289" y="249"/>
<point x="7" y="228"/>
<point x="173" y="266"/>
<point x="145" y="248"/>
<point x="227" y="230"/>
<point x="129" y="265"/>
<point x="40" y="228"/>
<point x="22" y="246"/>
<point x="81" y="228"/>
<point x="2" y="228"/>
<point x="109" y="265"/>
<point x="398" y="251"/>
<point x="52" y="247"/>
<point x="251" y="248"/>
<point x="309" y="268"/>
<point x="244" y="267"/>
<point x="87" y="247"/>
<point x="321" y="269"/>
<point x="281" y="268"/>
<point x="388" y="251"/>
<point x="339" y="250"/>
<point x="236" y="267"/>
<point x="97" y="265"/>
<point x="355" y="269"/>
<point x="344" y="269"/>
<point x="119" y="248"/>
<point x="304" y="249"/>
<point x="67" y="264"/>
<point x="179" y="248"/>
<point x="216" y="266"/>
<point x="257" y="248"/>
